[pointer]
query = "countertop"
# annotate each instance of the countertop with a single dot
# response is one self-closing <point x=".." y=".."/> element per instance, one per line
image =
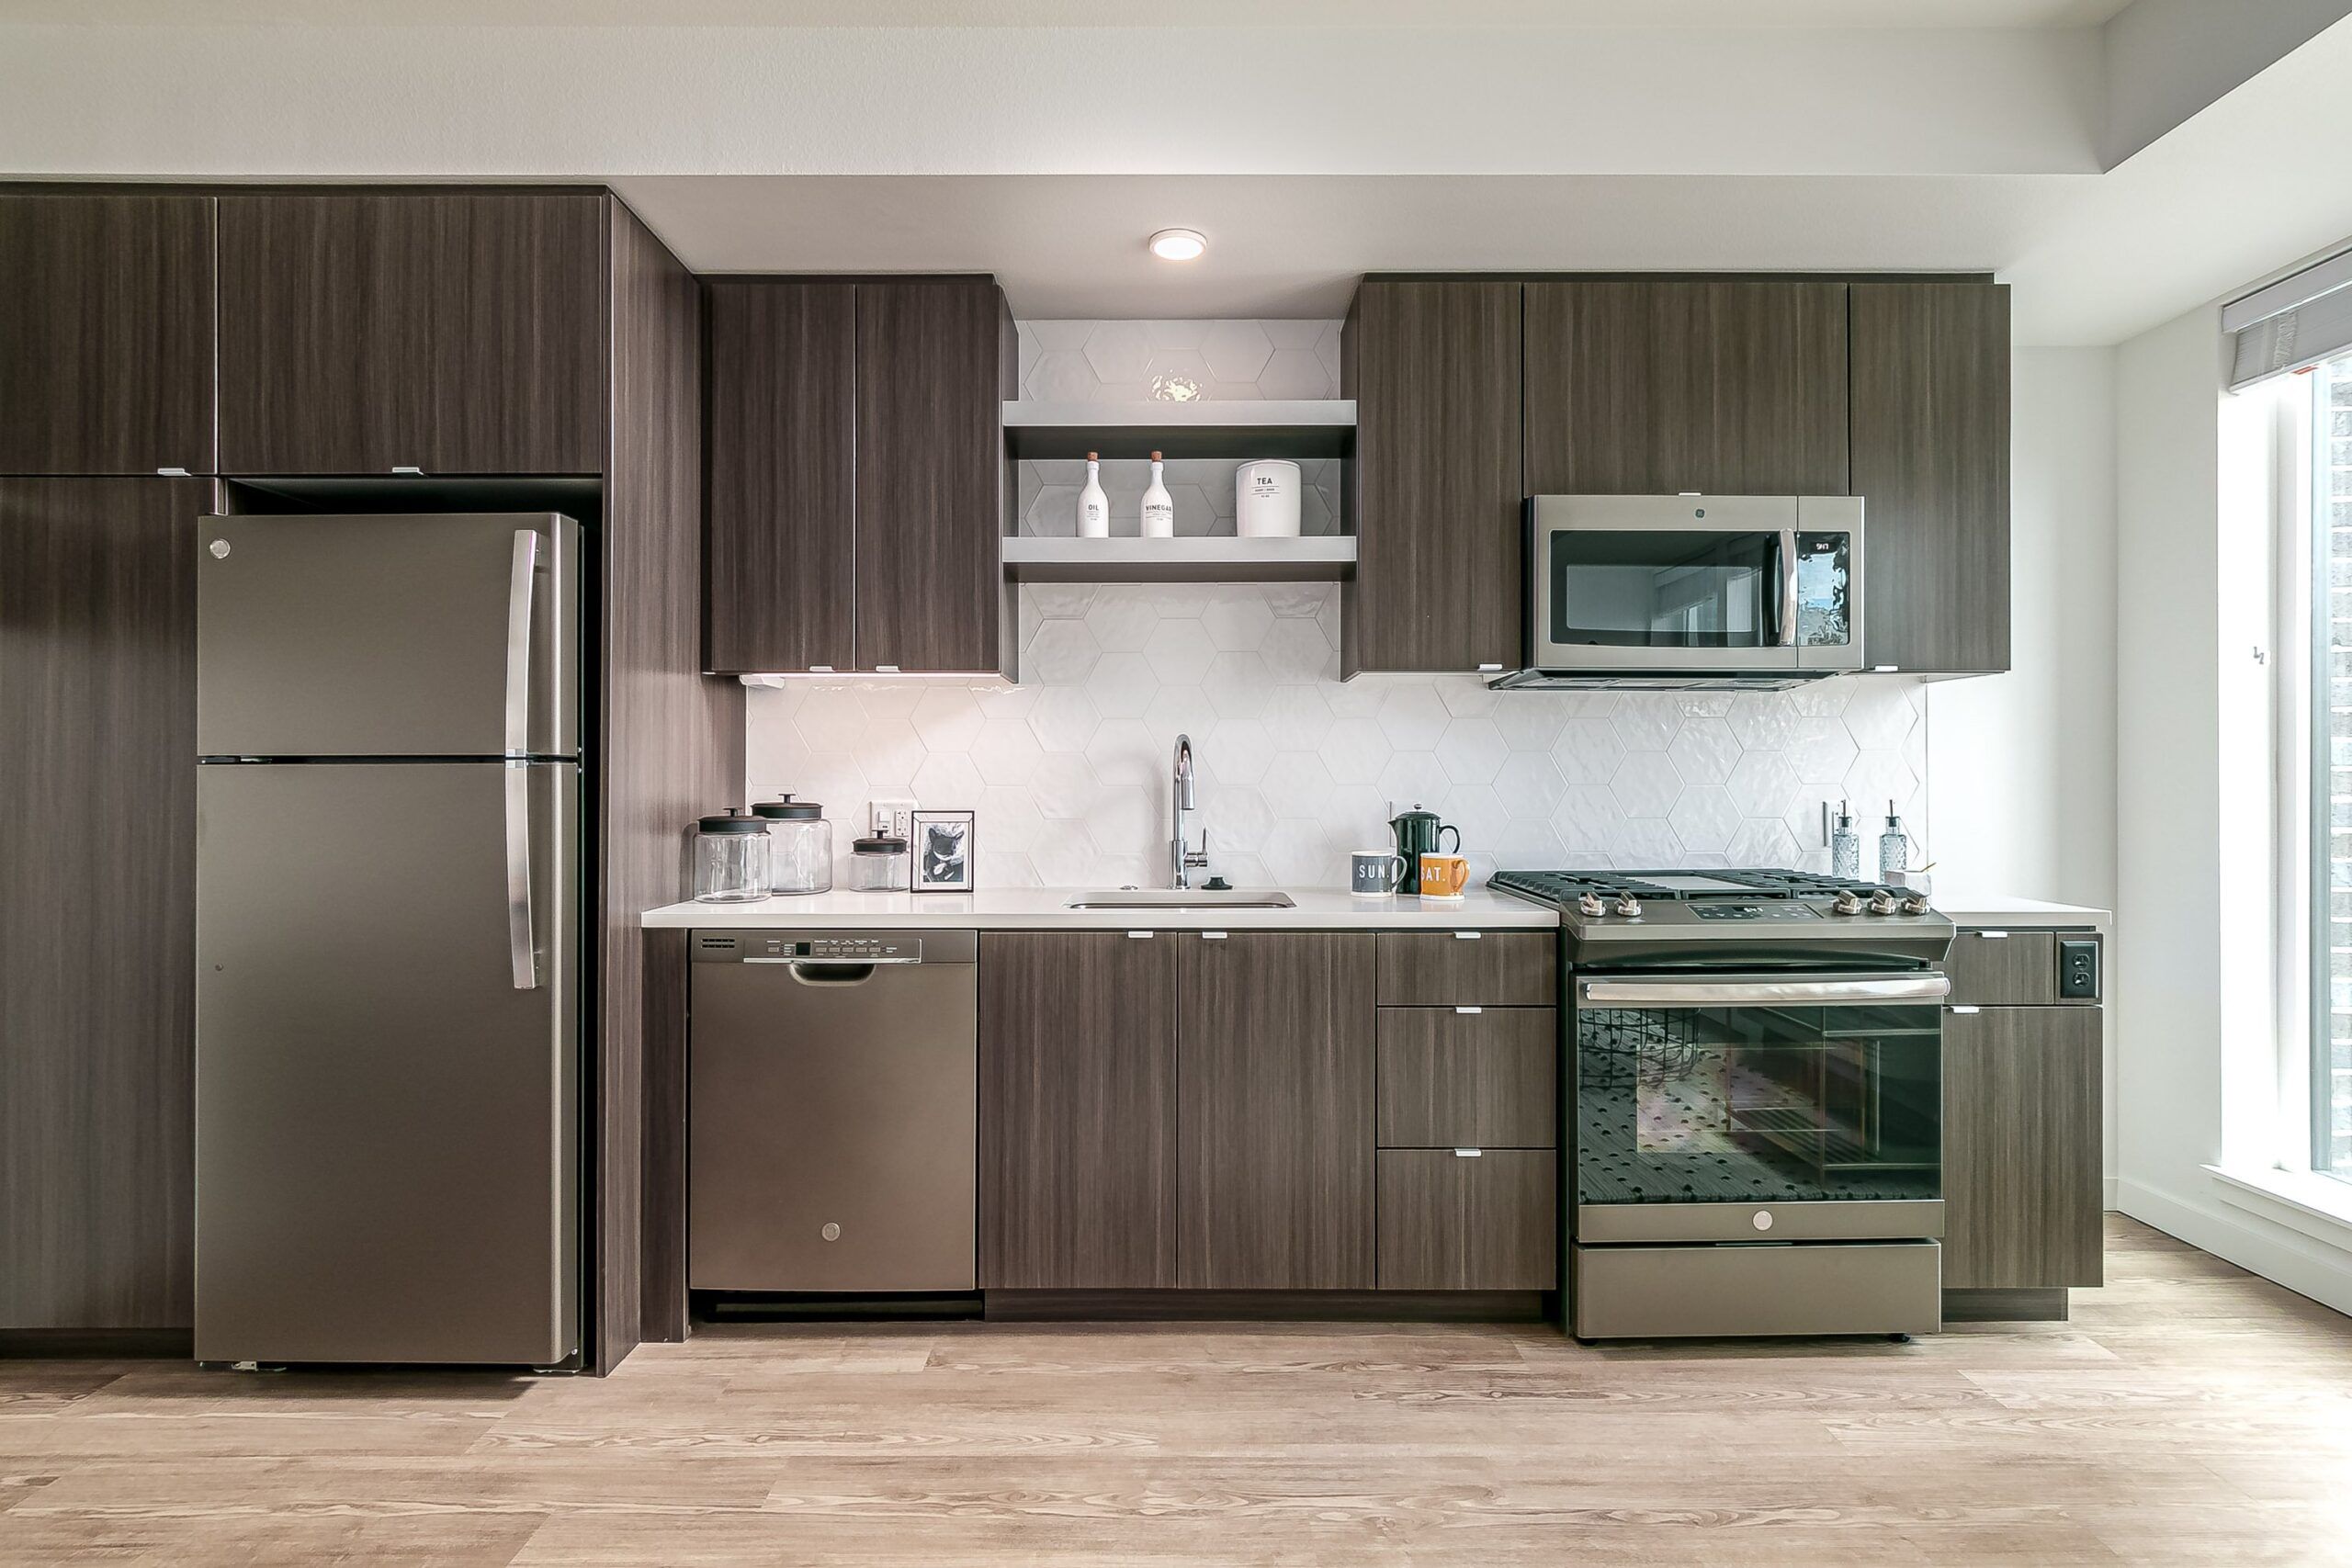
<point x="1029" y="908"/>
<point x="1964" y="908"/>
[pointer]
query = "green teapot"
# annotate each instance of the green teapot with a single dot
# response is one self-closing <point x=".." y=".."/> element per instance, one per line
<point x="1417" y="835"/>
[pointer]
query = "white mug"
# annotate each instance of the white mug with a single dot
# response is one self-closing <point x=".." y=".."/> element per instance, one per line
<point x="1376" y="873"/>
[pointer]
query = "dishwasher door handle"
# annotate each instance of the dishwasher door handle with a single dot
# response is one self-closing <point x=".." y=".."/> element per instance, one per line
<point x="809" y="973"/>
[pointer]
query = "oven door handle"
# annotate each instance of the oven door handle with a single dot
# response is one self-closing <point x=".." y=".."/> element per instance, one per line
<point x="1927" y="988"/>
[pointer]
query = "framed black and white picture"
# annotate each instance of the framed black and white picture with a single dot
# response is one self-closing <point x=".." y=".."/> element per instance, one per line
<point x="943" y="850"/>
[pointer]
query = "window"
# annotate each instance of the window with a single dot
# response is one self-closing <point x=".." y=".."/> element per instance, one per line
<point x="2331" y="685"/>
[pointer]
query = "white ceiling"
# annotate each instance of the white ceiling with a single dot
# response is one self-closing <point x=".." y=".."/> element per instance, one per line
<point x="1711" y="14"/>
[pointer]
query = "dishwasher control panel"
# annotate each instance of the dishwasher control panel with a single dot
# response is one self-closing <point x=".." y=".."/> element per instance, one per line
<point x="833" y="947"/>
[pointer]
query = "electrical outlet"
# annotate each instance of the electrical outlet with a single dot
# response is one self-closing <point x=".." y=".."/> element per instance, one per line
<point x="894" y="819"/>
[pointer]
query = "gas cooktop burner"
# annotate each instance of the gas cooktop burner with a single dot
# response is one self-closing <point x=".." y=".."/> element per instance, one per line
<point x="1564" y="887"/>
<point x="1733" y="918"/>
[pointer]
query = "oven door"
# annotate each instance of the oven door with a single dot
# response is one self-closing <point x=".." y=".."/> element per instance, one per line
<point x="1758" y="1107"/>
<point x="1694" y="584"/>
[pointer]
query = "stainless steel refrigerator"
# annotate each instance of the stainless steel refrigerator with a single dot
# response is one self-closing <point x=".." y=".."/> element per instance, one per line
<point x="388" y="958"/>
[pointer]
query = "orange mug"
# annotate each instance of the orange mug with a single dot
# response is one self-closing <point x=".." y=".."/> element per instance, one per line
<point x="1444" y="876"/>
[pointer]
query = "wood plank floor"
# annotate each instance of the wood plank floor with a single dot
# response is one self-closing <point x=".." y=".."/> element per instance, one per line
<point x="2189" y="1414"/>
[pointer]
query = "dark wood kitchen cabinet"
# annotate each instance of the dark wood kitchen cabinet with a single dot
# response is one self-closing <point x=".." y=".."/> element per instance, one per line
<point x="857" y="476"/>
<point x="97" y="586"/>
<point x="1078" y="1111"/>
<point x="780" y="367"/>
<point x="1274" y="1050"/>
<point x="1931" y="462"/>
<point x="458" y="333"/>
<point x="1653" y="387"/>
<point x="105" y="333"/>
<point x="2021" y="1148"/>
<point x="1434" y="492"/>
<point x="936" y="359"/>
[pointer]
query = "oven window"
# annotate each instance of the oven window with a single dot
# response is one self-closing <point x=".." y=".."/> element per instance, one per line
<point x="1758" y="1104"/>
<point x="1663" y="589"/>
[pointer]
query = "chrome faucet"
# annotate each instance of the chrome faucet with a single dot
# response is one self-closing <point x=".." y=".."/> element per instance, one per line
<point x="1182" y="857"/>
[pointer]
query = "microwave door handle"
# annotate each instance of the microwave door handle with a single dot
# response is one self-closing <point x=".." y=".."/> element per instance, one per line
<point x="1788" y="588"/>
<point x="522" y="573"/>
<point x="1924" y="987"/>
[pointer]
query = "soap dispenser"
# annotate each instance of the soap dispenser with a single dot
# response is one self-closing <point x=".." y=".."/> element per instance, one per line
<point x="1894" y="850"/>
<point x="1845" y="845"/>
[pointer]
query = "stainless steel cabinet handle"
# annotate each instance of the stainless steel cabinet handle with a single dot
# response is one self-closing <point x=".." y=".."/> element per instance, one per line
<point x="521" y="572"/>
<point x="1993" y="936"/>
<point x="1467" y="936"/>
<point x="1138" y="936"/>
<point x="1469" y="1154"/>
<point x="1212" y="936"/>
<point x="521" y="943"/>
<point x="1928" y="988"/>
<point x="1469" y="1009"/>
<point x="1962" y="1008"/>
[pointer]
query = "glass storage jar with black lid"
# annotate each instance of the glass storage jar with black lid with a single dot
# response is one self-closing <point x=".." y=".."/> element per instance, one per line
<point x="800" y="852"/>
<point x="731" y="859"/>
<point x="878" y="864"/>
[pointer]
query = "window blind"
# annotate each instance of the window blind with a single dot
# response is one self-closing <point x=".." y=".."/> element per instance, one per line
<point x="2296" y="322"/>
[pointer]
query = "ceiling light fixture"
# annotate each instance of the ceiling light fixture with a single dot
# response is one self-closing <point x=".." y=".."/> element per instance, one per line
<point x="1179" y="244"/>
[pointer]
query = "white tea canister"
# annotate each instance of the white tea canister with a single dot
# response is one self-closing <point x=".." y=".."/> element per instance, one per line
<point x="1265" y="499"/>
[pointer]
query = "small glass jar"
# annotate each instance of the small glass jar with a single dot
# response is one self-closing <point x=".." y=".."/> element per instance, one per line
<point x="801" y="846"/>
<point x="731" y="859"/>
<point x="879" y="865"/>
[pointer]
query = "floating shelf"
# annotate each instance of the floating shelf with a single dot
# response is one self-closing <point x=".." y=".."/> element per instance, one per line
<point x="1238" y="427"/>
<point x="1314" y="558"/>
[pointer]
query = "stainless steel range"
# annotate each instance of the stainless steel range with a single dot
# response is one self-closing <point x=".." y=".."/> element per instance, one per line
<point x="1756" y="1104"/>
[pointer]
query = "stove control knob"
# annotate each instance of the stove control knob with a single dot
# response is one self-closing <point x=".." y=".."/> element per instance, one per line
<point x="1846" y="903"/>
<point x="1882" y="902"/>
<point x="1916" y="905"/>
<point x="1590" y="907"/>
<point x="1628" y="907"/>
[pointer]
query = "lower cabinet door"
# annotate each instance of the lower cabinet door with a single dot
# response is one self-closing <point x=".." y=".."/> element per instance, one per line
<point x="1078" y="1111"/>
<point x="1274" y="1082"/>
<point x="1457" y="1220"/>
<point x="2021" y="1148"/>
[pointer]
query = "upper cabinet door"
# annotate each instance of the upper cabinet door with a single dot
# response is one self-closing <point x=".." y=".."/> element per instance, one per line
<point x="458" y="334"/>
<point x="936" y="358"/>
<point x="1434" y="369"/>
<point x="781" y="479"/>
<point x="106" y="335"/>
<point x="1654" y="388"/>
<point x="1931" y="464"/>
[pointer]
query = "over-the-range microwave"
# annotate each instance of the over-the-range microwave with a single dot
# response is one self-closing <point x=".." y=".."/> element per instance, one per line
<point x="1683" y="591"/>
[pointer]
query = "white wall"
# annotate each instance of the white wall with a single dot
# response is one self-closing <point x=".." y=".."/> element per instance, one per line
<point x="2024" y="763"/>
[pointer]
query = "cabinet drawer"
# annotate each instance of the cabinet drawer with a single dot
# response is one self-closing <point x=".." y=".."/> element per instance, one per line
<point x="1467" y="969"/>
<point x="2003" y="968"/>
<point x="1450" y="1078"/>
<point x="1487" y="1221"/>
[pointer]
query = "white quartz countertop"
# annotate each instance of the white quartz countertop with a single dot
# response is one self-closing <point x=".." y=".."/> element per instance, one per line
<point x="1030" y="908"/>
<point x="1966" y="907"/>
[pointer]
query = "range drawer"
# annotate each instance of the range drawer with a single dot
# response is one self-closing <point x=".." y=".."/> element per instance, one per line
<point x="1480" y="1077"/>
<point x="1656" y="1292"/>
<point x="1463" y="1221"/>
<point x="2003" y="968"/>
<point x="1468" y="968"/>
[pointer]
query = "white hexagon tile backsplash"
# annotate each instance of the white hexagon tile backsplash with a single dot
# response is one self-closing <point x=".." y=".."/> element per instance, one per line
<point x="1068" y="770"/>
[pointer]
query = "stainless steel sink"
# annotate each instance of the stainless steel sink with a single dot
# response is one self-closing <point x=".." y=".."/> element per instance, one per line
<point x="1181" y="898"/>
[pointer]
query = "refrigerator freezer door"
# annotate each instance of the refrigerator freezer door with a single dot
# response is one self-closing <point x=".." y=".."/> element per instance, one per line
<point x="388" y="636"/>
<point x="387" y="1148"/>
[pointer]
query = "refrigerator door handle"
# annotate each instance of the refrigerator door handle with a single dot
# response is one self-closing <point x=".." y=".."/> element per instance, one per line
<point x="523" y="949"/>
<point x="522" y="576"/>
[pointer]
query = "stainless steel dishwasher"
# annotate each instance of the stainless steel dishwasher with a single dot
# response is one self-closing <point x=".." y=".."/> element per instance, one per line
<point x="832" y="1109"/>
